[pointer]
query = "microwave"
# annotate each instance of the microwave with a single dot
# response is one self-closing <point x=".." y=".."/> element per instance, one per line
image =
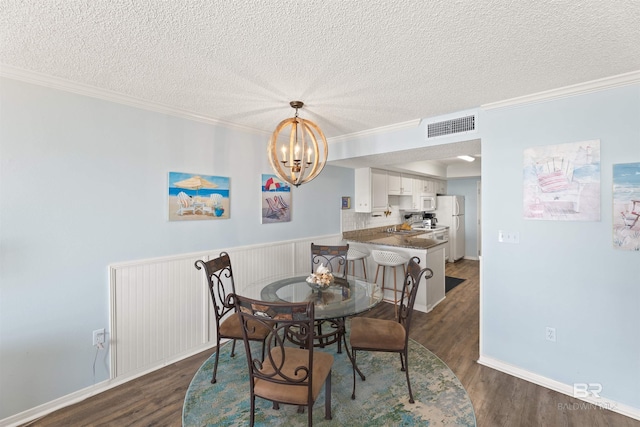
<point x="428" y="202"/>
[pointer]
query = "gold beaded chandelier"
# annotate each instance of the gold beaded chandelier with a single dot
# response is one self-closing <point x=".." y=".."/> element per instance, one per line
<point x="303" y="153"/>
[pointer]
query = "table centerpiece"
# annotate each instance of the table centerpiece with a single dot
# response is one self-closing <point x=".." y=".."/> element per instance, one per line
<point x="320" y="280"/>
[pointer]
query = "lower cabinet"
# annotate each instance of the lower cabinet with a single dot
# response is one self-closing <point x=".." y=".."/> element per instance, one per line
<point x="431" y="292"/>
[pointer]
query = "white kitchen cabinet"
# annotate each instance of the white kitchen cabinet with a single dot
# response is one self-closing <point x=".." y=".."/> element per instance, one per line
<point x="418" y="185"/>
<point x="399" y="184"/>
<point x="429" y="186"/>
<point x="424" y="185"/>
<point x="362" y="191"/>
<point x="406" y="185"/>
<point x="393" y="183"/>
<point x="379" y="191"/>
<point x="431" y="292"/>
<point x="370" y="193"/>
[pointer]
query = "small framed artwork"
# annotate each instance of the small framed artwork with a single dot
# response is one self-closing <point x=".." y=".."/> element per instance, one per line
<point x="346" y="203"/>
<point x="626" y="206"/>
<point x="198" y="197"/>
<point x="276" y="200"/>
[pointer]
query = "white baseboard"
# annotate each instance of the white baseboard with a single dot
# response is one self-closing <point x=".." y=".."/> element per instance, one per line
<point x="554" y="385"/>
<point x="80" y="395"/>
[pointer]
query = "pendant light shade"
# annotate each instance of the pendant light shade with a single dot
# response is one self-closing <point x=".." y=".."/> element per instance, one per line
<point x="297" y="149"/>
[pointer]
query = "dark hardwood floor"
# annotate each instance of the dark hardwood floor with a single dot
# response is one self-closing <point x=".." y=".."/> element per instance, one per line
<point x="450" y="331"/>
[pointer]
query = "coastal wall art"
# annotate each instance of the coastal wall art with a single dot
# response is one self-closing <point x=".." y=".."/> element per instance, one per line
<point x="626" y="206"/>
<point x="562" y="182"/>
<point x="194" y="197"/>
<point x="276" y="200"/>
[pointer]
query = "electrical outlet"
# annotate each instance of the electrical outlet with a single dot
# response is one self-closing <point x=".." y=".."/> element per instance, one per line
<point x="98" y="337"/>
<point x="551" y="334"/>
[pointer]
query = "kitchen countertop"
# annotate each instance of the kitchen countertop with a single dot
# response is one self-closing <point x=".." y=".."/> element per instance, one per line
<point x="403" y="239"/>
<point x="436" y="228"/>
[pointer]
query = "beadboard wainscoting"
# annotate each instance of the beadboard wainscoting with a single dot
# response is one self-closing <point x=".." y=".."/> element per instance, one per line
<point x="161" y="310"/>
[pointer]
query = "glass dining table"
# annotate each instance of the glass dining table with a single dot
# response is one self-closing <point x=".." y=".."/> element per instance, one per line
<point x="345" y="298"/>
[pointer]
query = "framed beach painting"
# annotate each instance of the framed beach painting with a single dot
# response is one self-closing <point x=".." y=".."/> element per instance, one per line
<point x="276" y="200"/>
<point x="562" y="182"/>
<point x="194" y="197"/>
<point x="626" y="206"/>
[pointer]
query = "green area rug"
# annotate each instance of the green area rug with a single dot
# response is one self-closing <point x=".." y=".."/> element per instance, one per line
<point x="381" y="400"/>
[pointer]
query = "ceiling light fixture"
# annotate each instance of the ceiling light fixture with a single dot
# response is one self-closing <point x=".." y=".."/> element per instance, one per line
<point x="305" y="153"/>
<point x="467" y="158"/>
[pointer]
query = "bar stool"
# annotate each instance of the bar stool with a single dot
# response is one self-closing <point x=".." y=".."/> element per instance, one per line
<point x="391" y="259"/>
<point x="354" y="254"/>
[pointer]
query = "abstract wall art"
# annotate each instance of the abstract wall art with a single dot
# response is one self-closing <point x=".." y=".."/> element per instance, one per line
<point x="562" y="182"/>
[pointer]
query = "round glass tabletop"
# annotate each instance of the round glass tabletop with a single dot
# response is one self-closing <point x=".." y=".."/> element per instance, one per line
<point x="344" y="298"/>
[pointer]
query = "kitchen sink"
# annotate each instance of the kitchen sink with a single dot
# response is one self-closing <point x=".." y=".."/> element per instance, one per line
<point x="403" y="232"/>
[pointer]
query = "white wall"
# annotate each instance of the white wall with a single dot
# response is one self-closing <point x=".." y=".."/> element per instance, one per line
<point x="563" y="274"/>
<point x="83" y="184"/>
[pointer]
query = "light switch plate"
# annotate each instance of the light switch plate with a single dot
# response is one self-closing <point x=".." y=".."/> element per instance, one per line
<point x="508" y="236"/>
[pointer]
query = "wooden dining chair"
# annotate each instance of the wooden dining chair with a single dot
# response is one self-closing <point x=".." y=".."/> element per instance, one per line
<point x="220" y="281"/>
<point x="371" y="334"/>
<point x="289" y="374"/>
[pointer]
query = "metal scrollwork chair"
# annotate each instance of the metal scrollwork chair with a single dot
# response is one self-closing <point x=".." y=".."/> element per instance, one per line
<point x="371" y="334"/>
<point x="333" y="257"/>
<point x="289" y="374"/>
<point x="219" y="277"/>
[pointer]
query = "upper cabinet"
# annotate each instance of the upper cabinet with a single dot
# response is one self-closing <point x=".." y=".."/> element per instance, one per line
<point x="379" y="190"/>
<point x="407" y="184"/>
<point x="370" y="193"/>
<point x="399" y="184"/>
<point x="418" y="185"/>
<point x="372" y="186"/>
<point x="432" y="186"/>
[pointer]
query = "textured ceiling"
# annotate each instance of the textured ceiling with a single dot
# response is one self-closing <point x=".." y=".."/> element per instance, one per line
<point x="357" y="65"/>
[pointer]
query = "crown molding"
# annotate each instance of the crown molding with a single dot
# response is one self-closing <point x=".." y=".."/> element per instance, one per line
<point x="53" y="82"/>
<point x="563" y="92"/>
<point x="382" y="129"/>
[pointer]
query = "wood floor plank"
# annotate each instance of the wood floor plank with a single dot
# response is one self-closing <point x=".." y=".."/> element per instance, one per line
<point x="451" y="331"/>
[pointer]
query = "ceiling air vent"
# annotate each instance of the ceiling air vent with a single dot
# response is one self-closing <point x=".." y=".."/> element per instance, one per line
<point x="449" y="127"/>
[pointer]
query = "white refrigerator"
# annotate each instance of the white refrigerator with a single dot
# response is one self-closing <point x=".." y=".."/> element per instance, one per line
<point x="450" y="212"/>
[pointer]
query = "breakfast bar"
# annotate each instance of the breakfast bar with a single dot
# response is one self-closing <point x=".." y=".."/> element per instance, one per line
<point x="410" y="243"/>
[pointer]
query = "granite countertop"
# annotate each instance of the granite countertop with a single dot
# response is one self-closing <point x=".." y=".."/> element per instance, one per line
<point x="402" y="239"/>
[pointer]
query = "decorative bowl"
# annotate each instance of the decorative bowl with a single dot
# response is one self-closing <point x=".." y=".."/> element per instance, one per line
<point x="320" y="281"/>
